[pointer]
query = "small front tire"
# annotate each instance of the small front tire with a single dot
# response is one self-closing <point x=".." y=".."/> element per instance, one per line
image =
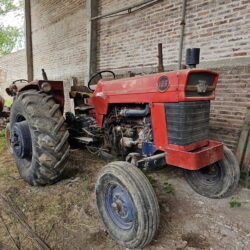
<point x="218" y="180"/>
<point x="127" y="205"/>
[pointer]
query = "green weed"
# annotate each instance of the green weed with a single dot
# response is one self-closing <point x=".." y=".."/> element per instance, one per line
<point x="86" y="186"/>
<point x="2" y="141"/>
<point x="234" y="202"/>
<point x="149" y="177"/>
<point x="169" y="188"/>
<point x="8" y="103"/>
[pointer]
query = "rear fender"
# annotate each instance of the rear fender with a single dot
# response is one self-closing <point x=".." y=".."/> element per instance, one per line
<point x="57" y="90"/>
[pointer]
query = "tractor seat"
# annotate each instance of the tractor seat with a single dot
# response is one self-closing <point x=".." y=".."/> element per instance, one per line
<point x="81" y="90"/>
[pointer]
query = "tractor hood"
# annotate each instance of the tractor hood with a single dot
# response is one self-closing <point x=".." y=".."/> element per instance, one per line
<point x="182" y="85"/>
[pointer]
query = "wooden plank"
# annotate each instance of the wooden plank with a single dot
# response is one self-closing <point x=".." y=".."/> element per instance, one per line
<point x="244" y="145"/>
<point x="246" y="160"/>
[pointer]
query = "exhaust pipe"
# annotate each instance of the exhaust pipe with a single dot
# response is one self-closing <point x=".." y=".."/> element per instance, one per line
<point x="193" y="57"/>
<point x="135" y="112"/>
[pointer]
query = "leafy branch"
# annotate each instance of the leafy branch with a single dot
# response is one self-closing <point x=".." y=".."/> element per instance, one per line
<point x="9" y="38"/>
<point x="7" y="6"/>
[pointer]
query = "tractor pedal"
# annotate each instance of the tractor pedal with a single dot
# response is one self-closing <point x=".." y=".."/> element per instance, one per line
<point x="83" y="140"/>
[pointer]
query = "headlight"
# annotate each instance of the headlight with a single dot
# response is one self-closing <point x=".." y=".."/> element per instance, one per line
<point x="46" y="87"/>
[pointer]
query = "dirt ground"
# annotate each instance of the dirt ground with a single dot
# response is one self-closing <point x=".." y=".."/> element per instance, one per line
<point x="65" y="214"/>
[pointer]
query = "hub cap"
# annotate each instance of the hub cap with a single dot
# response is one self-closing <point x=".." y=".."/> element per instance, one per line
<point x="119" y="206"/>
<point x="21" y="140"/>
<point x="211" y="174"/>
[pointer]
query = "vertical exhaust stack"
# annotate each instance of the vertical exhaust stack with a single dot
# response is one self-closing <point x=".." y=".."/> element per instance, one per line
<point x="45" y="77"/>
<point x="193" y="57"/>
<point x="160" y="58"/>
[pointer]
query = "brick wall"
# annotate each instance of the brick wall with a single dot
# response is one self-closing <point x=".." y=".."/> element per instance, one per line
<point x="15" y="66"/>
<point x="229" y="109"/>
<point x="220" y="28"/>
<point x="59" y="33"/>
<point x="59" y="40"/>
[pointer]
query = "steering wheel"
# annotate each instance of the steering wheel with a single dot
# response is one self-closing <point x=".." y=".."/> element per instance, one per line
<point x="100" y="75"/>
<point x="20" y="80"/>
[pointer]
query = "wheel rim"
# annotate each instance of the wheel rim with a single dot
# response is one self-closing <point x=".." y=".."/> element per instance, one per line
<point x="21" y="139"/>
<point x="119" y="206"/>
<point x="210" y="174"/>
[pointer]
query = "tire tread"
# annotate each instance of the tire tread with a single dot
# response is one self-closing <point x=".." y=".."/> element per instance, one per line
<point x="43" y="121"/>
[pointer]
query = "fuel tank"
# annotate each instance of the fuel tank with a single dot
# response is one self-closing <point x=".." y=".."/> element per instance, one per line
<point x="1" y="103"/>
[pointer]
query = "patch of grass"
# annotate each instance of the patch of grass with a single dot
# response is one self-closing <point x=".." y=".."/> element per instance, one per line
<point x="8" y="103"/>
<point x="2" y="133"/>
<point x="169" y="188"/>
<point x="149" y="177"/>
<point x="234" y="202"/>
<point x="2" y="141"/>
<point x="86" y="186"/>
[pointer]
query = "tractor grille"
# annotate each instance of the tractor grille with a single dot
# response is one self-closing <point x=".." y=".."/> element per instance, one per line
<point x="195" y="78"/>
<point x="187" y="122"/>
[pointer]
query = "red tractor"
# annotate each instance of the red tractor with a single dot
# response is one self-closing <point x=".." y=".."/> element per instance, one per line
<point x="147" y="121"/>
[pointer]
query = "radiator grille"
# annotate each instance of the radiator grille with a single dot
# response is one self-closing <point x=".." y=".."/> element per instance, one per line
<point x="187" y="122"/>
<point x="194" y="80"/>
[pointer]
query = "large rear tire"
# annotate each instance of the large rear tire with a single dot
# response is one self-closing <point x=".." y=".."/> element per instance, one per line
<point x="39" y="138"/>
<point x="218" y="180"/>
<point x="127" y="205"/>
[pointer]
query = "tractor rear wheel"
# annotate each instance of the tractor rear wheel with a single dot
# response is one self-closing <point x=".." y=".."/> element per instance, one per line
<point x="127" y="205"/>
<point x="39" y="138"/>
<point x="218" y="180"/>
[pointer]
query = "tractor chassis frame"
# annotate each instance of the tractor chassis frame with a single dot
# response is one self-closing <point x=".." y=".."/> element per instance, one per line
<point x="190" y="160"/>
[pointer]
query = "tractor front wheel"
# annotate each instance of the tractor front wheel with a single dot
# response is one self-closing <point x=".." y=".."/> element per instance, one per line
<point x="127" y="205"/>
<point x="218" y="180"/>
<point x="39" y="138"/>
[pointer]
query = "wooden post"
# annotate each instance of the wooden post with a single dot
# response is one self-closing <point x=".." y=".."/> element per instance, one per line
<point x="91" y="11"/>
<point x="28" y="33"/>
<point x="243" y="150"/>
